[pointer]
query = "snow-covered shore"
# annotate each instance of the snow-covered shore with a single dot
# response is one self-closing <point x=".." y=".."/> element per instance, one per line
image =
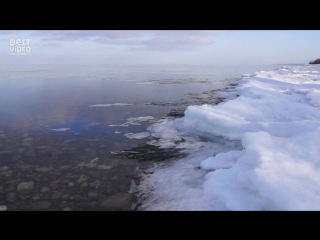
<point x="263" y="153"/>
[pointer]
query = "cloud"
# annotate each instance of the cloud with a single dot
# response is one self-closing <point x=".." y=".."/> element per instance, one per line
<point x="9" y="32"/>
<point x="52" y="44"/>
<point x="177" y="43"/>
<point x="168" y="40"/>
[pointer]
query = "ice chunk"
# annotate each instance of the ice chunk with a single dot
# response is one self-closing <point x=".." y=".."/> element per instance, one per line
<point x="137" y="135"/>
<point x="109" y="105"/>
<point x="221" y="160"/>
<point x="140" y="119"/>
<point x="133" y="187"/>
<point x="136" y="121"/>
<point x="60" y="129"/>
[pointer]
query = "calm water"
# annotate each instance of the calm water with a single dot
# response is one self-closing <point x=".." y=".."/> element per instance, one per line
<point x="93" y="165"/>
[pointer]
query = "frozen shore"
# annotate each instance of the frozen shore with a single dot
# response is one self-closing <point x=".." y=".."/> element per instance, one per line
<point x="261" y="150"/>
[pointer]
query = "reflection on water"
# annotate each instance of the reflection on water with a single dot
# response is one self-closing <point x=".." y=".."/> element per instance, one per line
<point x="75" y="169"/>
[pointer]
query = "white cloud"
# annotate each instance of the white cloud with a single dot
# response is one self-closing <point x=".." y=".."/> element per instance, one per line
<point x="139" y="39"/>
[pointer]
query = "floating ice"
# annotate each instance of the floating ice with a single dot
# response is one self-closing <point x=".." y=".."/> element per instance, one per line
<point x="137" y="135"/>
<point x="133" y="187"/>
<point x="116" y="132"/>
<point x="109" y="105"/>
<point x="169" y="137"/>
<point x="135" y="121"/>
<point x="146" y="83"/>
<point x="140" y="119"/>
<point x="60" y="129"/>
<point x="275" y="115"/>
<point x="178" y="81"/>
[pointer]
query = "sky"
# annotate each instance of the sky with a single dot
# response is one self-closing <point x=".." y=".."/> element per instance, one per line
<point x="216" y="47"/>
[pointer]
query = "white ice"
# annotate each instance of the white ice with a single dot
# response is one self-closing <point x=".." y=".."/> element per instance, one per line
<point x="135" y="121"/>
<point x="60" y="129"/>
<point x="275" y="116"/>
<point x="133" y="187"/>
<point x="109" y="105"/>
<point x="137" y="135"/>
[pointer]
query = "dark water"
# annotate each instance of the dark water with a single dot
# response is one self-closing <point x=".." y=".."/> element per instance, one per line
<point x="87" y="167"/>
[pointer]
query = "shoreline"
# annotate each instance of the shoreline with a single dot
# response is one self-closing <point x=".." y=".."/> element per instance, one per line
<point x="264" y="89"/>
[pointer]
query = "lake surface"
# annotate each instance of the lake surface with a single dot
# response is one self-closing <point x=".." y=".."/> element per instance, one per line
<point x="73" y="137"/>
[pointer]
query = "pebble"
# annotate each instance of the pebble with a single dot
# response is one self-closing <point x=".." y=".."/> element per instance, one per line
<point x="71" y="184"/>
<point x="65" y="167"/>
<point x="25" y="186"/>
<point x="81" y="180"/>
<point x="10" y="188"/>
<point x="35" y="198"/>
<point x="85" y="184"/>
<point x="86" y="204"/>
<point x="23" y="166"/>
<point x="67" y="209"/>
<point x="93" y="194"/>
<point x="45" y="189"/>
<point x="15" y="157"/>
<point x="75" y="197"/>
<point x="81" y="164"/>
<point x="27" y="139"/>
<point x="95" y="184"/>
<point x="104" y="167"/>
<point x="43" y="169"/>
<point x="44" y="147"/>
<point x="40" y="206"/>
<point x="8" y="173"/>
<point x="12" y="181"/>
<point x="114" y="178"/>
<point x="3" y="208"/>
<point x="90" y="165"/>
<point x="94" y="160"/>
<point x="27" y="144"/>
<point x="4" y="168"/>
<point x="30" y="153"/>
<point x="24" y="197"/>
<point x="95" y="173"/>
<point x="65" y="196"/>
<point x="56" y="195"/>
<point x="121" y="202"/>
<point x="12" y="197"/>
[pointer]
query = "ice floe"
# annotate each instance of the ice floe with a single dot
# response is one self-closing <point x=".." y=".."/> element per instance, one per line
<point x="113" y="104"/>
<point x="60" y="129"/>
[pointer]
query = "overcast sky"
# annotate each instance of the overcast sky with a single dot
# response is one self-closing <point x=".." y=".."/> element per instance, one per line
<point x="164" y="47"/>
